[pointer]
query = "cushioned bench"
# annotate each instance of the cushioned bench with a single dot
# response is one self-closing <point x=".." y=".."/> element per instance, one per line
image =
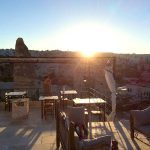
<point x="140" y="121"/>
<point x="66" y="133"/>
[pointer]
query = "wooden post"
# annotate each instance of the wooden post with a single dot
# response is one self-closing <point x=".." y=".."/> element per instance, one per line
<point x="71" y="135"/>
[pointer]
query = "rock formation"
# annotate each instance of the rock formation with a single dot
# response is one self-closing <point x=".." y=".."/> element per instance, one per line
<point x="24" y="73"/>
<point x="21" y="50"/>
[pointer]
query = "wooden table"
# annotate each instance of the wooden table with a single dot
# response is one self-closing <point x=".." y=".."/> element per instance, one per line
<point x="10" y="95"/>
<point x="44" y="98"/>
<point x="19" y="93"/>
<point x="89" y="101"/>
<point x="69" y="94"/>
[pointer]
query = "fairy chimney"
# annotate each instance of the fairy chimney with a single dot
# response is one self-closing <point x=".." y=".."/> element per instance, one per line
<point x="24" y="73"/>
<point x="21" y="50"/>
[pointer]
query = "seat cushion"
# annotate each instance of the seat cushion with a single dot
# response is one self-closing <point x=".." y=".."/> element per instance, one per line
<point x="81" y="131"/>
<point x="145" y="130"/>
<point x="76" y="114"/>
<point x="102" y="142"/>
<point x="141" y="117"/>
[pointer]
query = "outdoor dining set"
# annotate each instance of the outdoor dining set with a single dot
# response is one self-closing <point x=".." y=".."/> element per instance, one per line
<point x="74" y="118"/>
<point x="65" y="108"/>
<point x="67" y="97"/>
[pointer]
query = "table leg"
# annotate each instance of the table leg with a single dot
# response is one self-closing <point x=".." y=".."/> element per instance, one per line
<point x="42" y="109"/>
<point x="54" y="106"/>
<point x="54" y="109"/>
<point x="63" y="101"/>
<point x="89" y="114"/>
<point x="104" y="112"/>
<point x="9" y="105"/>
<point x="90" y="121"/>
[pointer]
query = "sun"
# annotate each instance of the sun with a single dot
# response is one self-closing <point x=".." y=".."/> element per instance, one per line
<point x="87" y="53"/>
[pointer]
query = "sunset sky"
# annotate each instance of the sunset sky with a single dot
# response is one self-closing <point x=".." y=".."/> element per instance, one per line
<point x="120" y="26"/>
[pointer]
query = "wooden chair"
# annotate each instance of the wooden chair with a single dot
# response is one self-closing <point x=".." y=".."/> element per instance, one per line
<point x="49" y="108"/>
<point x="96" y="111"/>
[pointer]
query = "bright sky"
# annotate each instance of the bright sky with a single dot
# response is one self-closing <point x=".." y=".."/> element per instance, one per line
<point x="121" y="26"/>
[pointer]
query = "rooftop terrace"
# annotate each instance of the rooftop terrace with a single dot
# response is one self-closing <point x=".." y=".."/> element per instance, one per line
<point x="37" y="134"/>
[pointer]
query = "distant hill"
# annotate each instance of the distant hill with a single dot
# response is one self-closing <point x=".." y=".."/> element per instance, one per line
<point x="48" y="53"/>
<point x="7" y="52"/>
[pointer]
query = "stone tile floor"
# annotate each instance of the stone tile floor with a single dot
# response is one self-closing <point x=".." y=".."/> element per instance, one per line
<point x="24" y="134"/>
<point x="37" y="134"/>
<point x="119" y="131"/>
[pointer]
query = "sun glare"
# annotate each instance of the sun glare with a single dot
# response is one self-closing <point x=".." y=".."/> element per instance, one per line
<point x="87" y="37"/>
<point x="87" y="53"/>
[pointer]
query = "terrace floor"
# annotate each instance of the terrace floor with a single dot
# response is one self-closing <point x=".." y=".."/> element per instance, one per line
<point x="37" y="134"/>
